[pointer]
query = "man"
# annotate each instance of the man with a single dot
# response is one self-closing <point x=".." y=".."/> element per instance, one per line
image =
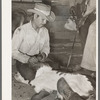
<point x="89" y="56"/>
<point x="30" y="43"/>
<point x="88" y="64"/>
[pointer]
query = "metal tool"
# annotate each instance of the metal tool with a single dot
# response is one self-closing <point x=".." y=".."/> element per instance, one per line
<point x="70" y="56"/>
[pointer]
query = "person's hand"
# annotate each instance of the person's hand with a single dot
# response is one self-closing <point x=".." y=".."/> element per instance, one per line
<point x="92" y="95"/>
<point x="41" y="57"/>
<point x="33" y="60"/>
<point x="93" y="74"/>
<point x="81" y="22"/>
<point x="70" y="25"/>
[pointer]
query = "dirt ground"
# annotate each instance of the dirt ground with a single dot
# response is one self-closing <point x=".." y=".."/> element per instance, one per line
<point x="20" y="91"/>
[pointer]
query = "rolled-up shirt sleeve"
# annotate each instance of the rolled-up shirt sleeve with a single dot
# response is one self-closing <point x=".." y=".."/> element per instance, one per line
<point x="16" y="42"/>
<point x="91" y="7"/>
<point x="46" y="46"/>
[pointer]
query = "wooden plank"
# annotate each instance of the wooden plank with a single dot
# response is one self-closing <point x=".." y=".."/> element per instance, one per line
<point x="63" y="35"/>
<point x="61" y="18"/>
<point x="61" y="10"/>
<point x="61" y="45"/>
<point x="57" y="26"/>
<point x="60" y="2"/>
<point x="23" y="6"/>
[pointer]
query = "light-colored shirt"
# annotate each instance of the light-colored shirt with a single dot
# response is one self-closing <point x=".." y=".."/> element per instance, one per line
<point x="89" y="55"/>
<point x="74" y="2"/>
<point x="91" y="7"/>
<point x="28" y="42"/>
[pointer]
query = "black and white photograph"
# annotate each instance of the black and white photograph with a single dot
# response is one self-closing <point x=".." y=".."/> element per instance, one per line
<point x="53" y="46"/>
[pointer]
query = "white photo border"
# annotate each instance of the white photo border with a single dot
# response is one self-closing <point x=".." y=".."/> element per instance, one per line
<point x="7" y="47"/>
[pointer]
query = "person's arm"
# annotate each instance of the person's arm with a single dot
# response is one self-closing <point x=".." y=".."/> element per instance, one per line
<point x="16" y="42"/>
<point x="46" y="47"/>
<point x="91" y="7"/>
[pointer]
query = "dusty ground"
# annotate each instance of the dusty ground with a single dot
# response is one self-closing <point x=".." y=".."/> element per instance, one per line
<point x="21" y="91"/>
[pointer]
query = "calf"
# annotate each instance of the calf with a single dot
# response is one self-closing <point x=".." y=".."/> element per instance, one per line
<point x="47" y="79"/>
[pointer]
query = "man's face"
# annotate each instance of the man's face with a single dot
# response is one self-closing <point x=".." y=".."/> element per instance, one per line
<point x="40" y="21"/>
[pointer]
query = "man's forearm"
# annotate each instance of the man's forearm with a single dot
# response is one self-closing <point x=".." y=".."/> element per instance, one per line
<point x="20" y="57"/>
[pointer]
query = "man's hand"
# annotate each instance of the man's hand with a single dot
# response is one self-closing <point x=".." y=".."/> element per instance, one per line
<point x="41" y="57"/>
<point x="81" y="21"/>
<point x="33" y="60"/>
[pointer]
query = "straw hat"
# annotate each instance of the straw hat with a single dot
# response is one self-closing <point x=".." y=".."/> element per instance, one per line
<point x="44" y="11"/>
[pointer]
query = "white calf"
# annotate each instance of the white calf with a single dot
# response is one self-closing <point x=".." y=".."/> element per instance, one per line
<point x="46" y="78"/>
